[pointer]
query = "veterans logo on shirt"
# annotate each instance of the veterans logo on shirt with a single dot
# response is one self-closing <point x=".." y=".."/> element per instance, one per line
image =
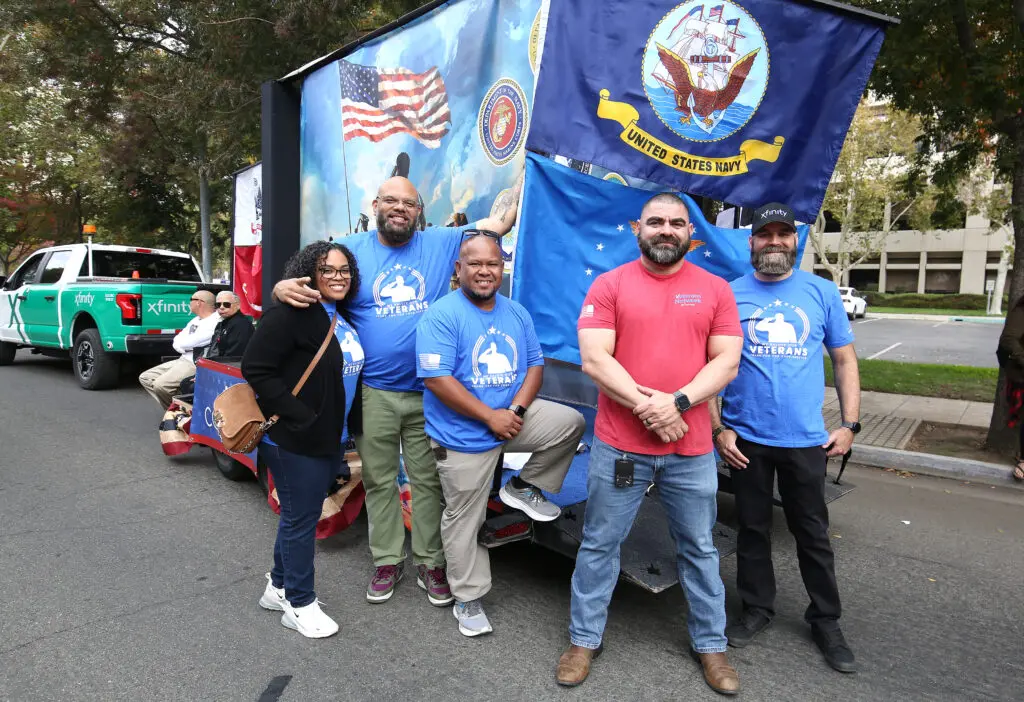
<point x="772" y="330"/>
<point x="399" y="291"/>
<point x="495" y="359"/>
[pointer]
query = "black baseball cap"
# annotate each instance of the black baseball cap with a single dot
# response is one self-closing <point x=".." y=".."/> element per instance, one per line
<point x="772" y="212"/>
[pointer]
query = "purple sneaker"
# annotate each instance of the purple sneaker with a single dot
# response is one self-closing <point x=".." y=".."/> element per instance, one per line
<point x="382" y="585"/>
<point x="435" y="582"/>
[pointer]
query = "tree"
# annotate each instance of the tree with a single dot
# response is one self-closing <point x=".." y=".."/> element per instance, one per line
<point x="174" y="88"/>
<point x="872" y="188"/>
<point x="958" y="66"/>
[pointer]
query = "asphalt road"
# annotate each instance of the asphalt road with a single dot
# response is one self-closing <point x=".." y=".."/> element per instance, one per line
<point x="130" y="576"/>
<point x="953" y="343"/>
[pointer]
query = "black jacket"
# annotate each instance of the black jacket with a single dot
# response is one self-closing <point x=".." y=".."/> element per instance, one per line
<point x="286" y="340"/>
<point x="231" y="337"/>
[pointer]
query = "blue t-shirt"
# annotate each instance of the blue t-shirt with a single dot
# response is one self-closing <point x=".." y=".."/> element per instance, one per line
<point x="776" y="398"/>
<point x="352" y="364"/>
<point x="397" y="286"/>
<point x="488" y="352"/>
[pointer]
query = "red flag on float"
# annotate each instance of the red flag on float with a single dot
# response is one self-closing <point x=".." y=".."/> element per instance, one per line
<point x="248" y="240"/>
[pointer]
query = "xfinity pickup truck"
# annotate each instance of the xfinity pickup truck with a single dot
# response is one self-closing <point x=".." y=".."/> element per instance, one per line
<point x="97" y="304"/>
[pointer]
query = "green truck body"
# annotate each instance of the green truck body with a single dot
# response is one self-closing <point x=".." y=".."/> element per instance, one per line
<point x="97" y="303"/>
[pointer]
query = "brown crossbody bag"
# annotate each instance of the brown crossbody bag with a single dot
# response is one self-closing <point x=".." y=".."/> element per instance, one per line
<point x="237" y="416"/>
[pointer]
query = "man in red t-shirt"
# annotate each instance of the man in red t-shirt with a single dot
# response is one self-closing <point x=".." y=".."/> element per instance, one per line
<point x="659" y="336"/>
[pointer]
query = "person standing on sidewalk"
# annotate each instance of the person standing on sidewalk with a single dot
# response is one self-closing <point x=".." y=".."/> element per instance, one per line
<point x="1010" y="354"/>
<point x="482" y="365"/>
<point x="407" y="272"/>
<point x="770" y="424"/>
<point x="659" y="336"/>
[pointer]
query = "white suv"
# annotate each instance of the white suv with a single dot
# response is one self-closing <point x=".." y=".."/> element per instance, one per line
<point x="853" y="303"/>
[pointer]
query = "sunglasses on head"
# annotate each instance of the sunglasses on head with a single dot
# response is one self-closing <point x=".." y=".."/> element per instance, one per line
<point x="225" y="305"/>
<point x="470" y="233"/>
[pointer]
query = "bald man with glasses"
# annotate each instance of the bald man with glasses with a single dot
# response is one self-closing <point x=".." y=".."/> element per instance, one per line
<point x="161" y="382"/>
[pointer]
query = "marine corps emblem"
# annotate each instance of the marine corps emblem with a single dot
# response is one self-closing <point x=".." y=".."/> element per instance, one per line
<point x="502" y="121"/>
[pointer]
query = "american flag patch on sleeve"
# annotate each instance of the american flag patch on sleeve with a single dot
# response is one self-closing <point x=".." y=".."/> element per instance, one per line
<point x="588" y="311"/>
<point x="430" y="361"/>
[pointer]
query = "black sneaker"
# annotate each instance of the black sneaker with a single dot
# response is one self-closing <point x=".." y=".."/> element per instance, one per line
<point x="837" y="652"/>
<point x="750" y="625"/>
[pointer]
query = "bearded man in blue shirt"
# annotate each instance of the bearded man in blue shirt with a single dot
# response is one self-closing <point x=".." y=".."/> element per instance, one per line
<point x="771" y="423"/>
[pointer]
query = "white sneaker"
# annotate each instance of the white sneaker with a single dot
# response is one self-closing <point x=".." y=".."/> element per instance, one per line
<point x="309" y="621"/>
<point x="273" y="598"/>
<point x="472" y="620"/>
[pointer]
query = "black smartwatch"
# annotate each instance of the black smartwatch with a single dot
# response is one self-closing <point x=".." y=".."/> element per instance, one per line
<point x="682" y="401"/>
<point x="852" y="426"/>
<point x="519" y="410"/>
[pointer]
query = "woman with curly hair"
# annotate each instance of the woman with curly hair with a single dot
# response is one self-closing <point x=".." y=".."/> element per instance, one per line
<point x="305" y="448"/>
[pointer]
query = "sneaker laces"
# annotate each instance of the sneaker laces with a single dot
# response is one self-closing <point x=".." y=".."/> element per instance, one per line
<point x="384" y="573"/>
<point x="437" y="576"/>
<point x="472" y="608"/>
<point x="533" y="495"/>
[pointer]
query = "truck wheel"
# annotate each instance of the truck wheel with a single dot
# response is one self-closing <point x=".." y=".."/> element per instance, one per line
<point x="230" y="468"/>
<point x="7" y="351"/>
<point x="95" y="368"/>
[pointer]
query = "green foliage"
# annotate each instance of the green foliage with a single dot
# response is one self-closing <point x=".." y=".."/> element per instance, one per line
<point x="134" y="90"/>
<point x="926" y="301"/>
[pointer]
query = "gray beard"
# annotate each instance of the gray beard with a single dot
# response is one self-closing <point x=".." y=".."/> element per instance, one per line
<point x="661" y="255"/>
<point x="766" y="262"/>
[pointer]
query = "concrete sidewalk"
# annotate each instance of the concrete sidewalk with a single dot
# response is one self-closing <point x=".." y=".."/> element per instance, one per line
<point x="917" y="316"/>
<point x="890" y="422"/>
<point x="927" y="409"/>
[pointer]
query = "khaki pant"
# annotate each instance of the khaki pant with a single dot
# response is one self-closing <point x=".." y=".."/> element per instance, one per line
<point x="162" y="381"/>
<point x="551" y="432"/>
<point x="392" y="419"/>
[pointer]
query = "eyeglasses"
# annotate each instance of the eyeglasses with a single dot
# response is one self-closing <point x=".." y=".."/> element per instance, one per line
<point x="392" y="201"/>
<point x="225" y="305"/>
<point x="329" y="272"/>
<point x="470" y="233"/>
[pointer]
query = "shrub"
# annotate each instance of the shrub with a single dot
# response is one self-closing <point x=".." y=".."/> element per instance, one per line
<point x="926" y="301"/>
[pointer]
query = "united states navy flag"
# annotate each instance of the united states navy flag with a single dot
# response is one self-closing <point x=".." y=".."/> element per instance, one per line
<point x="573" y="227"/>
<point x="745" y="102"/>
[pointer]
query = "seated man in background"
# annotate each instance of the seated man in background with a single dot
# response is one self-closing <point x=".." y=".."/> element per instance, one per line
<point x="162" y="381"/>
<point x="233" y="331"/>
<point x="481" y="362"/>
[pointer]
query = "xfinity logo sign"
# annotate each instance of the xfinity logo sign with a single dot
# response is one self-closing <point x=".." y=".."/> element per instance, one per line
<point x="161" y="307"/>
<point x="774" y="213"/>
<point x="83" y="299"/>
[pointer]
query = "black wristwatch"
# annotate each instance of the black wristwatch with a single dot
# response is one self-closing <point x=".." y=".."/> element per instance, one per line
<point x="519" y="410"/>
<point x="852" y="426"/>
<point x="682" y="401"/>
<point x="717" y="430"/>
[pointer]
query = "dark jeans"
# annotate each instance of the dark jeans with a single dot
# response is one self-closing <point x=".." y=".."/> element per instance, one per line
<point x="801" y="474"/>
<point x="302" y="483"/>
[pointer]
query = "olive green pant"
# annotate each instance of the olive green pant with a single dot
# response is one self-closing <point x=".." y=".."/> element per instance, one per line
<point x="393" y="422"/>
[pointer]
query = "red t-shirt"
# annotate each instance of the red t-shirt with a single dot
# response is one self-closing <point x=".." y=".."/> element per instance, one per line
<point x="662" y="324"/>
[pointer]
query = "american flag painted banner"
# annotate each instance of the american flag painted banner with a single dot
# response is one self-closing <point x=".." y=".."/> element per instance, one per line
<point x="377" y="103"/>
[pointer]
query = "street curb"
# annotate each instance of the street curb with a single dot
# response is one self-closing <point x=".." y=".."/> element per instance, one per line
<point x="935" y="465"/>
<point x="935" y="317"/>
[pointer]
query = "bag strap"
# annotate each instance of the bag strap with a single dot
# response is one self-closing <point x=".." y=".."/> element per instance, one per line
<point x="312" y="364"/>
<point x="319" y="355"/>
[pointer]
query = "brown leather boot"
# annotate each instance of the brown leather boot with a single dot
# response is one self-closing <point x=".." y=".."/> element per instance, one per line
<point x="574" y="665"/>
<point x="718" y="674"/>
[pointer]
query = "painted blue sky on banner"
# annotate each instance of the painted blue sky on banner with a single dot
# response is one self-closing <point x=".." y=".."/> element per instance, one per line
<point x="482" y="52"/>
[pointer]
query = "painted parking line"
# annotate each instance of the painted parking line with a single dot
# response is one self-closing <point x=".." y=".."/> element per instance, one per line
<point x="886" y="349"/>
<point x="940" y="324"/>
<point x="867" y="321"/>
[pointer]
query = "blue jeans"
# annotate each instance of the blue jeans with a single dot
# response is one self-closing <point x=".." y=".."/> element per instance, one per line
<point x="687" y="487"/>
<point x="302" y="483"/>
